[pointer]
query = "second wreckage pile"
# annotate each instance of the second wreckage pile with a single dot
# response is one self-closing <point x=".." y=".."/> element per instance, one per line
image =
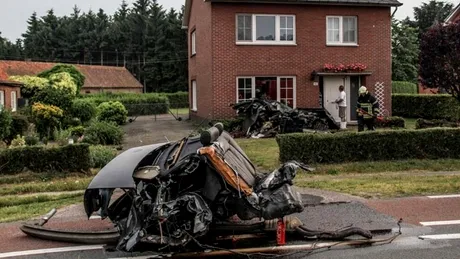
<point x="265" y="118"/>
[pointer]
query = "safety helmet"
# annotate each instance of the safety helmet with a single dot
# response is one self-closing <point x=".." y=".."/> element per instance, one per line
<point x="362" y="90"/>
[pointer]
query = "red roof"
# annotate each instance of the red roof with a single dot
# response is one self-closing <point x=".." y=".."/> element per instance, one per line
<point x="96" y="76"/>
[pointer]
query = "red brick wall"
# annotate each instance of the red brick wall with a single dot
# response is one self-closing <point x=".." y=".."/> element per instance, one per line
<point x="7" y="92"/>
<point x="200" y="65"/>
<point x="311" y="52"/>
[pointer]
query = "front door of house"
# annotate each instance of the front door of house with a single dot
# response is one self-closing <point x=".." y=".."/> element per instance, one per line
<point x="331" y="93"/>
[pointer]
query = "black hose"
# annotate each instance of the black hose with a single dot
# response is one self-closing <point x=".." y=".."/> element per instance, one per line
<point x="337" y="235"/>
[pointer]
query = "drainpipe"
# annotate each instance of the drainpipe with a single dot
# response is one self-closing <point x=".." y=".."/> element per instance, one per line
<point x="394" y="12"/>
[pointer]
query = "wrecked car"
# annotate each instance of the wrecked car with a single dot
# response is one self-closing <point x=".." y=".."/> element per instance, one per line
<point x="177" y="192"/>
<point x="266" y="118"/>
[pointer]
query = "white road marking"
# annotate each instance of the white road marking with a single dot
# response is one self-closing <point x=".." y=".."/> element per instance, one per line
<point x="441" y="236"/>
<point x="95" y="217"/>
<point x="444" y="196"/>
<point x="440" y="223"/>
<point x="50" y="250"/>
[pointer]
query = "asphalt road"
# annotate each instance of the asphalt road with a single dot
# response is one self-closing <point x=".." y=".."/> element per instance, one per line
<point x="430" y="229"/>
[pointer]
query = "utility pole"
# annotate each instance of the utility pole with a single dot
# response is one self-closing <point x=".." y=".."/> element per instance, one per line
<point x="102" y="57"/>
<point x="117" y="56"/>
<point x="145" y="87"/>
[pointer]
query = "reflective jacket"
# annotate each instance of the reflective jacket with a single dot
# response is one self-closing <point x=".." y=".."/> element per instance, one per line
<point x="369" y="104"/>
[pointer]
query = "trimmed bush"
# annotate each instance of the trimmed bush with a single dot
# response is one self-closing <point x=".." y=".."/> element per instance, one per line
<point x="391" y="122"/>
<point x="53" y="96"/>
<point x="177" y="100"/>
<point x="83" y="109"/>
<point x="70" y="158"/>
<point x="112" y="112"/>
<point x="103" y="133"/>
<point x="424" y="124"/>
<point x="5" y="123"/>
<point x="136" y="104"/>
<point x="77" y="131"/>
<point x="439" y="106"/>
<point x="77" y="76"/>
<point x="370" y="146"/>
<point x="101" y="155"/>
<point x="402" y="87"/>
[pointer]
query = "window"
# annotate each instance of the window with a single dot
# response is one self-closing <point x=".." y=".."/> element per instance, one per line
<point x="14" y="101"/>
<point x="280" y="89"/>
<point x="193" y="42"/>
<point x="265" y="29"/>
<point x="194" y="99"/>
<point x="246" y="89"/>
<point x="2" y="99"/>
<point x="342" y="30"/>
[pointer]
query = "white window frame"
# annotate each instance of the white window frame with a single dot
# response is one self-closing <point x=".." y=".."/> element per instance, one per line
<point x="277" y="40"/>
<point x="194" y="96"/>
<point x="193" y="36"/>
<point x="278" y="87"/>
<point x="2" y="99"/>
<point x="14" y="101"/>
<point x="340" y="42"/>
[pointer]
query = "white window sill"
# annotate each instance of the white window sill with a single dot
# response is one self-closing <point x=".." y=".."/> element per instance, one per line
<point x="266" y="43"/>
<point x="194" y="110"/>
<point x="342" y="44"/>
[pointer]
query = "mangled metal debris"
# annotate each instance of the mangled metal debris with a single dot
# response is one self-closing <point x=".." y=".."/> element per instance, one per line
<point x="190" y="192"/>
<point x="264" y="118"/>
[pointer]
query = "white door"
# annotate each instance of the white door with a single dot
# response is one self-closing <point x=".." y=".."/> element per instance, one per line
<point x="331" y="93"/>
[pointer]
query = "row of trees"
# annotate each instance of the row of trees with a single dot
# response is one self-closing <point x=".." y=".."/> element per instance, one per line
<point x="144" y="37"/>
<point x="407" y="36"/>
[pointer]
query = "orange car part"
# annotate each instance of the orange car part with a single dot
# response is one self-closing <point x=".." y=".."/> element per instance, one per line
<point x="225" y="170"/>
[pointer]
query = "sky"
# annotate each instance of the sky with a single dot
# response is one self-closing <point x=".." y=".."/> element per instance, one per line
<point x="15" y="13"/>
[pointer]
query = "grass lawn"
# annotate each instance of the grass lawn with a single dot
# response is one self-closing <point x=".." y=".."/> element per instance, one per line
<point x="366" y="179"/>
<point x="28" y="195"/>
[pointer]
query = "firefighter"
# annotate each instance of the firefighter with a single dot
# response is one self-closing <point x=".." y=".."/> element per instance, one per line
<point x="368" y="109"/>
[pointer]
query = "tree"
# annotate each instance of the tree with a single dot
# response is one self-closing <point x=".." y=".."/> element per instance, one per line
<point x="405" y="51"/>
<point x="440" y="58"/>
<point x="431" y="13"/>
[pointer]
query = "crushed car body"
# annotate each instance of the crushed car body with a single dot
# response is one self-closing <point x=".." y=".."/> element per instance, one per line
<point x="177" y="192"/>
<point x="265" y="118"/>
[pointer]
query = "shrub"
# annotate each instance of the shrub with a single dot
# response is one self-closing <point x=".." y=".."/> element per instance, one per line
<point x="402" y="87"/>
<point x="32" y="84"/>
<point x="77" y="131"/>
<point x="53" y="96"/>
<point x="424" y="124"/>
<point x="19" y="126"/>
<point x="78" y="77"/>
<point x="177" y="100"/>
<point x="62" y="137"/>
<point x="5" y="122"/>
<point x="70" y="158"/>
<point x="103" y="133"/>
<point x="112" y="111"/>
<point x="426" y="106"/>
<point x="136" y="104"/>
<point x="46" y="117"/>
<point x="83" y="109"/>
<point x="370" y="146"/>
<point x="230" y="125"/>
<point x="101" y="155"/>
<point x="31" y="140"/>
<point x="64" y="82"/>
<point x="391" y="122"/>
<point x="18" y="141"/>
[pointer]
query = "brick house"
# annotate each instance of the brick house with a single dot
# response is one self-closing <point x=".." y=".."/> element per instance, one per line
<point x="238" y="49"/>
<point x="98" y="78"/>
<point x="10" y="92"/>
<point x="454" y="16"/>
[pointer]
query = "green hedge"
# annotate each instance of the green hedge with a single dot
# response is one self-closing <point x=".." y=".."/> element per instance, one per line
<point x="402" y="87"/>
<point x="370" y="146"/>
<point x="136" y="104"/>
<point x="391" y="122"/>
<point x="177" y="100"/>
<point x="425" y="124"/>
<point x="426" y="106"/>
<point x="70" y="158"/>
